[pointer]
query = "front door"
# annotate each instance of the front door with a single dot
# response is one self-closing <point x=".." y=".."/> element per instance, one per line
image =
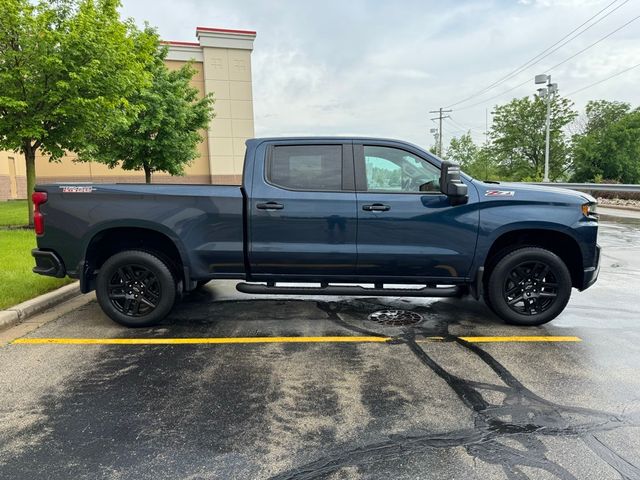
<point x="406" y="227"/>
<point x="303" y="212"/>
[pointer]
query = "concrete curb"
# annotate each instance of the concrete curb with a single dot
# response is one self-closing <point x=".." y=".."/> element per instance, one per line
<point x="19" y="313"/>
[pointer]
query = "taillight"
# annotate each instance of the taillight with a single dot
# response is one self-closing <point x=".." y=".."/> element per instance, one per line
<point x="38" y="219"/>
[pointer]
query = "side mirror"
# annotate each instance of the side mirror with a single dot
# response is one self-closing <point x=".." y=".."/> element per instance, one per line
<point x="451" y="184"/>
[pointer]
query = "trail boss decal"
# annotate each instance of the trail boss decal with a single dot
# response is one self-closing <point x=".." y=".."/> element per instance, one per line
<point x="75" y="189"/>
<point x="499" y="193"/>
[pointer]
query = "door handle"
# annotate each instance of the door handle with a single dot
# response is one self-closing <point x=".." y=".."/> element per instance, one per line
<point x="269" y="206"/>
<point x="376" y="207"/>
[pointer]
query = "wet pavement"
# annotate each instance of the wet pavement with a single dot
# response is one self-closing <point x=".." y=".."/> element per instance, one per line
<point x="424" y="400"/>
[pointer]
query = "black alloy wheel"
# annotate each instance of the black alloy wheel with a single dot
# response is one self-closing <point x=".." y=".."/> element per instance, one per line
<point x="528" y="286"/>
<point x="136" y="288"/>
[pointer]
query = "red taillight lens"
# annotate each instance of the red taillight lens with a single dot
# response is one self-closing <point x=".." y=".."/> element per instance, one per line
<point x="38" y="219"/>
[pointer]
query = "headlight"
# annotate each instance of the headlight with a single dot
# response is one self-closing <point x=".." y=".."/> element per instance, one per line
<point x="589" y="210"/>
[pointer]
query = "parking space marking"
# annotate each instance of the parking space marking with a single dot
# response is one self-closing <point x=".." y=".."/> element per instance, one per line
<point x="247" y="340"/>
<point x="531" y="338"/>
<point x="180" y="341"/>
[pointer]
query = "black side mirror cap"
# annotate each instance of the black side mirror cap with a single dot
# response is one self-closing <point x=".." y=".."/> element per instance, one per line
<point x="451" y="183"/>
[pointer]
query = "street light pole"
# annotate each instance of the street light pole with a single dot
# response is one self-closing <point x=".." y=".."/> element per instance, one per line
<point x="547" y="93"/>
<point x="546" y="141"/>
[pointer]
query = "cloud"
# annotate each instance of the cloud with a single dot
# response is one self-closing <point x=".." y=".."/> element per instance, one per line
<point x="376" y="68"/>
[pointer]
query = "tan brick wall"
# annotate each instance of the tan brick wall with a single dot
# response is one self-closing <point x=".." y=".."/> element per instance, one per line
<point x="5" y="188"/>
<point x="22" y="186"/>
<point x="137" y="178"/>
<point x="226" y="179"/>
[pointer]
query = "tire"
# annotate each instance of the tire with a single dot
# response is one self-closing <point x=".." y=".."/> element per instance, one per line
<point x="529" y="286"/>
<point x="135" y="288"/>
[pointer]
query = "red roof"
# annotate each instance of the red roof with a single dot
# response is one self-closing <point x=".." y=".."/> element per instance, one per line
<point x="226" y="30"/>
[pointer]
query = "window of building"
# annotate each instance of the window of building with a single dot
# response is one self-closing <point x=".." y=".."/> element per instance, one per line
<point x="306" y="167"/>
<point x="393" y="170"/>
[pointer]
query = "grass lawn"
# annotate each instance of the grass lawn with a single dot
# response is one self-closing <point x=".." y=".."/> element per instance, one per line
<point x="14" y="212"/>
<point x="17" y="282"/>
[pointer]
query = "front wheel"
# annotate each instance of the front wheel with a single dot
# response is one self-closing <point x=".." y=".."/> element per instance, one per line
<point x="529" y="286"/>
<point x="135" y="288"/>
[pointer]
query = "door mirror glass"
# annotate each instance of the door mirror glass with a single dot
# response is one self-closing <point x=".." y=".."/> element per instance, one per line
<point x="451" y="183"/>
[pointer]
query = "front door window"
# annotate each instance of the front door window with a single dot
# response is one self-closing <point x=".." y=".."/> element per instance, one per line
<point x="396" y="171"/>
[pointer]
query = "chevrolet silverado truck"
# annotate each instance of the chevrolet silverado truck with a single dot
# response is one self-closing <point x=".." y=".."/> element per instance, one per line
<point x="344" y="216"/>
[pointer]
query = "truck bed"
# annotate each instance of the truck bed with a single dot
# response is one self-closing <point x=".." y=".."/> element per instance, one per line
<point x="205" y="221"/>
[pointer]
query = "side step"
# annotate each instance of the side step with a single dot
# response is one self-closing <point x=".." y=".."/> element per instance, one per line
<point x="351" y="290"/>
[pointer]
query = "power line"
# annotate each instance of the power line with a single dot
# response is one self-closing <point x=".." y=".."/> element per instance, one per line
<point x="465" y="128"/>
<point x="604" y="79"/>
<point x="593" y="44"/>
<point x="545" y="53"/>
<point x="482" y="102"/>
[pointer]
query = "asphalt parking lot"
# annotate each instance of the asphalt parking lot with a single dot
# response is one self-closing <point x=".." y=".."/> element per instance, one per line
<point x="241" y="387"/>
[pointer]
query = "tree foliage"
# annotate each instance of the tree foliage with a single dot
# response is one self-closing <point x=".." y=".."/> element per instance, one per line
<point x="66" y="70"/>
<point x="609" y="147"/>
<point x="474" y="160"/>
<point x="164" y="135"/>
<point x="518" y="138"/>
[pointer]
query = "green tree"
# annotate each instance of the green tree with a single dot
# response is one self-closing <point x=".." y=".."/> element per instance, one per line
<point x="609" y="147"/>
<point x="164" y="136"/>
<point x="474" y="160"/>
<point x="66" y="70"/>
<point x="518" y="138"/>
<point x="463" y="150"/>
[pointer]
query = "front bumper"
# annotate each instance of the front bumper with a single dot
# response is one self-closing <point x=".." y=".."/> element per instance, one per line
<point x="591" y="274"/>
<point x="48" y="263"/>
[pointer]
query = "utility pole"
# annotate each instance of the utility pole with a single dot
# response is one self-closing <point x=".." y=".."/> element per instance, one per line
<point x="486" y="143"/>
<point x="486" y="126"/>
<point x="440" y="117"/>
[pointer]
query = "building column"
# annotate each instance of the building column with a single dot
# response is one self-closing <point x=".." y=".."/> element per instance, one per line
<point x="227" y="74"/>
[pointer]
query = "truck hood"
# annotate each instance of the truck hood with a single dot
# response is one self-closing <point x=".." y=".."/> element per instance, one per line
<point x="532" y="190"/>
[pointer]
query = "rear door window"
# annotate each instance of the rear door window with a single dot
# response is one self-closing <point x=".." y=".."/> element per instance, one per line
<point x="306" y="167"/>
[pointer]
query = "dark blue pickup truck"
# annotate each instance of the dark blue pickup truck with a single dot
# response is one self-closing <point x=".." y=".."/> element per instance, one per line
<point x="378" y="217"/>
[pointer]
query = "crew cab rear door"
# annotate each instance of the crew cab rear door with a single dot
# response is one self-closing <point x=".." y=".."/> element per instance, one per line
<point x="302" y="211"/>
<point x="406" y="227"/>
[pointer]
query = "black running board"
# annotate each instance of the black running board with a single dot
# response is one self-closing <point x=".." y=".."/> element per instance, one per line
<point x="351" y="290"/>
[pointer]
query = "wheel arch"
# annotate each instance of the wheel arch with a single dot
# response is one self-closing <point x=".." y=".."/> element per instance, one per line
<point x="108" y="239"/>
<point x="557" y="241"/>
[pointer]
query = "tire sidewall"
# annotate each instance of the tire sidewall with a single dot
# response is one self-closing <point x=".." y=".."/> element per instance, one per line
<point x="504" y="266"/>
<point x="165" y="279"/>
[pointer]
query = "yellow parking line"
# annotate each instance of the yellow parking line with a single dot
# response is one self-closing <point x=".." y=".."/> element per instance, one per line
<point x="533" y="338"/>
<point x="179" y="341"/>
<point x="246" y="340"/>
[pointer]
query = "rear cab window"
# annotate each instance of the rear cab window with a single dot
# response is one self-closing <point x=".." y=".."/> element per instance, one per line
<point x="306" y="167"/>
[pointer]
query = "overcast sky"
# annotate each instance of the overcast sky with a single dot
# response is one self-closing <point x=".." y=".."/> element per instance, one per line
<point x="377" y="67"/>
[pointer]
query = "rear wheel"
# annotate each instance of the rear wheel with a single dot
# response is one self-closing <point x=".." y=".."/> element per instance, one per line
<point x="529" y="286"/>
<point x="135" y="288"/>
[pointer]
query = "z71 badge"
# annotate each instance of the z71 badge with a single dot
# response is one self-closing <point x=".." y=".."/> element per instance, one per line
<point x="499" y="193"/>
<point x="76" y="189"/>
